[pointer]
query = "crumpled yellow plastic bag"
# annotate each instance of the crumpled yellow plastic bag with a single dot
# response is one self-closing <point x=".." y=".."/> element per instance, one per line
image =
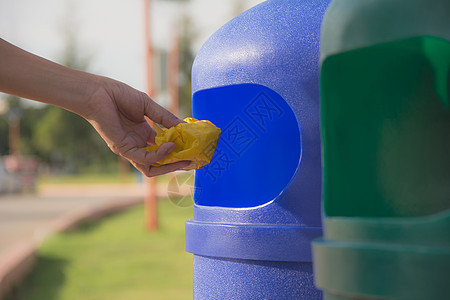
<point x="195" y="141"/>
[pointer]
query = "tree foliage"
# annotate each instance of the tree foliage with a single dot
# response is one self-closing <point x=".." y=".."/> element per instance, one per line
<point x="66" y="140"/>
<point x="4" y="134"/>
<point x="61" y="139"/>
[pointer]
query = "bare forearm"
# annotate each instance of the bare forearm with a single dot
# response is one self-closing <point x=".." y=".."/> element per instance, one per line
<point x="116" y="110"/>
<point x="26" y="75"/>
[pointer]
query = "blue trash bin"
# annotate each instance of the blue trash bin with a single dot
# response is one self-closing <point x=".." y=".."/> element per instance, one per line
<point x="257" y="204"/>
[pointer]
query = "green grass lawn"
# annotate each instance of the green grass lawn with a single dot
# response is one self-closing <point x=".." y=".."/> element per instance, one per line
<point x="114" y="258"/>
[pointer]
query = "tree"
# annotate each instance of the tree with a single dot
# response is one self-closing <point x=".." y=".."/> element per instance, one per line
<point x="64" y="139"/>
<point x="4" y="134"/>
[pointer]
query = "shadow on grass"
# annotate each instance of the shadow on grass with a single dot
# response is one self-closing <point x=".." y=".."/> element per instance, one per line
<point x="86" y="226"/>
<point x="90" y="225"/>
<point x="44" y="282"/>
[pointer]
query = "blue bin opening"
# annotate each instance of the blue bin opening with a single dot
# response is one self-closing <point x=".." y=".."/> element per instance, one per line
<point x="259" y="149"/>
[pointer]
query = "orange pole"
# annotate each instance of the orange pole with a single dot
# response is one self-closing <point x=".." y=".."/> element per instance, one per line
<point x="151" y="204"/>
<point x="148" y="48"/>
<point x="173" y="73"/>
<point x="172" y="76"/>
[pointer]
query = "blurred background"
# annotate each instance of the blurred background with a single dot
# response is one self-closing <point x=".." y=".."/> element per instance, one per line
<point x="105" y="37"/>
<point x="55" y="168"/>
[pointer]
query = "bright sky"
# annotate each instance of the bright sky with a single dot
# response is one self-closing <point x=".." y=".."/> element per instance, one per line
<point x="110" y="31"/>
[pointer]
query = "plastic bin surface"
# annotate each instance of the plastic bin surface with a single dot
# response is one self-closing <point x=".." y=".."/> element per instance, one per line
<point x="257" y="204"/>
<point x="385" y="124"/>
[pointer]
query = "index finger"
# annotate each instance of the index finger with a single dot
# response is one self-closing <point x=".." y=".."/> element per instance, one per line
<point x="160" y="115"/>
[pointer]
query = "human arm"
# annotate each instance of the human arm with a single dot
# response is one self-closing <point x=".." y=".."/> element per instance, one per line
<point x="113" y="108"/>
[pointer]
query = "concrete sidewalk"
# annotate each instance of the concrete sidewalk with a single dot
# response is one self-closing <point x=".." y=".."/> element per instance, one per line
<point x="26" y="220"/>
<point x="25" y="217"/>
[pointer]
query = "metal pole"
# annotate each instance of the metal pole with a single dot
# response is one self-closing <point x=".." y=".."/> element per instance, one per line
<point x="151" y="205"/>
<point x="174" y="72"/>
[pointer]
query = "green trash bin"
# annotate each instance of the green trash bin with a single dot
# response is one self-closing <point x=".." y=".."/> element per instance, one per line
<point x="385" y="122"/>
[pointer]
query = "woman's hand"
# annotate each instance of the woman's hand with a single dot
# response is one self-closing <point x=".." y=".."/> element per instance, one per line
<point x="118" y="113"/>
